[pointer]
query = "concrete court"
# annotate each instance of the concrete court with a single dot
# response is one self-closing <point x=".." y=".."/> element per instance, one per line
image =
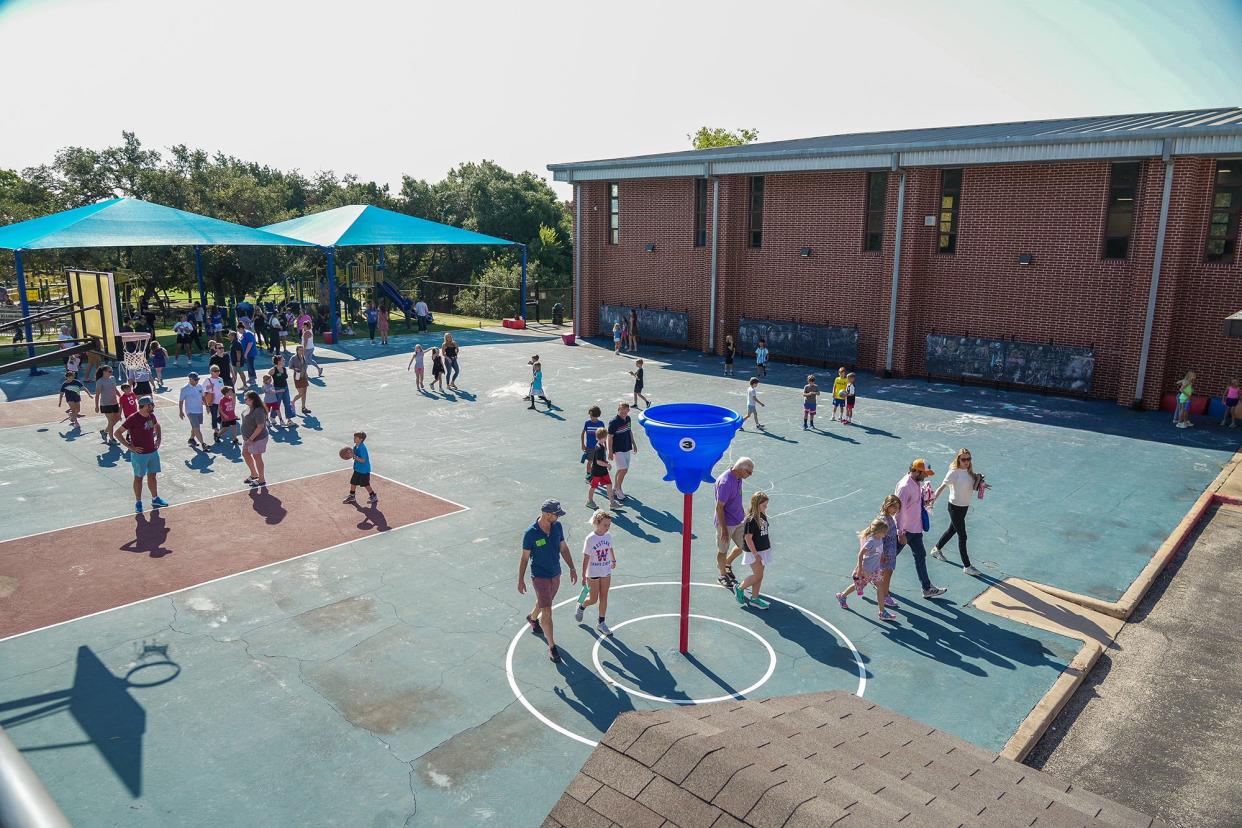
<point x="1177" y="755"/>
<point x="367" y="684"/>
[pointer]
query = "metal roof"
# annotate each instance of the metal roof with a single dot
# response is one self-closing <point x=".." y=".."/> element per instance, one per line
<point x="1190" y="132"/>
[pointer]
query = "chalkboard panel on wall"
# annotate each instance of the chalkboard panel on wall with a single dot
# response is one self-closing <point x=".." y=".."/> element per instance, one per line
<point x="668" y="326"/>
<point x="1059" y="367"/>
<point x="824" y="343"/>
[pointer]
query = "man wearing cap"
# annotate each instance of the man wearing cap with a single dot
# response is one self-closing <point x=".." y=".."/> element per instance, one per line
<point x="543" y="542"/>
<point x="191" y="405"/>
<point x="910" y="522"/>
<point x="140" y="435"/>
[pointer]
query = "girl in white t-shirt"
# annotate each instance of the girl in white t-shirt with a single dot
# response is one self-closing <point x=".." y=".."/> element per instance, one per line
<point x="599" y="559"/>
<point x="963" y="484"/>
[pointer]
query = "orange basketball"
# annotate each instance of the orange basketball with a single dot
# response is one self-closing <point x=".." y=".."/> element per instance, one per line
<point x="347" y="453"/>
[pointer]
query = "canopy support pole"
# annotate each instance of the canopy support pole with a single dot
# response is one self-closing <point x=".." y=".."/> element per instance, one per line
<point x="522" y="300"/>
<point x="198" y="271"/>
<point x="333" y="322"/>
<point x="25" y="305"/>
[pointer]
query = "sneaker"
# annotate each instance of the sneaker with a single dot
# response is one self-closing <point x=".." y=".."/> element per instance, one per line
<point x="885" y="615"/>
<point x="937" y="554"/>
<point x="934" y="592"/>
<point x="603" y="629"/>
<point x="158" y="502"/>
<point x="740" y="595"/>
<point x="889" y="602"/>
<point x="804" y="428"/>
<point x="970" y="570"/>
<point x="350" y="499"/>
<point x="729" y="574"/>
<point x="724" y="581"/>
<point x="760" y="603"/>
<point x="372" y="500"/>
<point x="584" y="594"/>
<point x="535" y="629"/>
<point x="554" y="655"/>
<point x="591" y="505"/>
<point x="579" y="612"/>
<point x="190" y="442"/>
<point x="138" y="507"/>
<point x="841" y="600"/>
<point x="103" y="434"/>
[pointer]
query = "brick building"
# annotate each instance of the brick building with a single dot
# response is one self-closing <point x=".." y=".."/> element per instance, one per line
<point x="1040" y="232"/>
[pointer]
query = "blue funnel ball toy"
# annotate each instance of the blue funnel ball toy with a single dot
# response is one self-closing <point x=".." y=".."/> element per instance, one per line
<point x="690" y="438"/>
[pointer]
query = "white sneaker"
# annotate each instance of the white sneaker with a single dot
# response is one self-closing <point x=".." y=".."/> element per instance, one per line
<point x="578" y="612"/>
<point x="603" y="629"/>
<point x="937" y="554"/>
<point x="934" y="592"/>
<point x="970" y="570"/>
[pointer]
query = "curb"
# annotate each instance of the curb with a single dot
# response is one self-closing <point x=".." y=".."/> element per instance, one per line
<point x="1124" y="607"/>
<point x="1046" y="710"/>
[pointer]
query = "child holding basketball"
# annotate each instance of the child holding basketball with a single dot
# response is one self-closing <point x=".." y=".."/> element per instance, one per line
<point x="597" y="472"/>
<point x="757" y="552"/>
<point x="867" y="569"/>
<point x="71" y="391"/>
<point x="362" y="469"/>
<point x="599" y="559"/>
<point x="839" y="384"/>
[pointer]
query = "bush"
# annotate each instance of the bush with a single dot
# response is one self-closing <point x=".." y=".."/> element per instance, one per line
<point x="493" y="291"/>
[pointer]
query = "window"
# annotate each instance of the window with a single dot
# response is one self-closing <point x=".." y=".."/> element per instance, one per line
<point x="755" y="226"/>
<point x="1122" y="187"/>
<point x="700" y="212"/>
<point x="877" y="191"/>
<point x="1222" y="240"/>
<point x="950" y="201"/>
<point x="614" y="214"/>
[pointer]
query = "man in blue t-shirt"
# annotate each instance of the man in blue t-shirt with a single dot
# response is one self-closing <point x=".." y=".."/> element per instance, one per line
<point x="543" y="546"/>
<point x="621" y="446"/>
<point x="250" y="348"/>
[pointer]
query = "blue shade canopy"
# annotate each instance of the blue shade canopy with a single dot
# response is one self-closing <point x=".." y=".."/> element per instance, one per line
<point x="130" y="222"/>
<point x="363" y="224"/>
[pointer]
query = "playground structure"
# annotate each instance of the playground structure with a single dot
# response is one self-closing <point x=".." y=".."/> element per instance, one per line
<point x="89" y="310"/>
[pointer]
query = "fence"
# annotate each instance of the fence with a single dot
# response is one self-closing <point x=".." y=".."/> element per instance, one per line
<point x="494" y="301"/>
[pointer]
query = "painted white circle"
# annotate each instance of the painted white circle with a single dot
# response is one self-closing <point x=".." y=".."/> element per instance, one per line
<point x="564" y="731"/>
<point x="599" y="668"/>
<point x="687" y="444"/>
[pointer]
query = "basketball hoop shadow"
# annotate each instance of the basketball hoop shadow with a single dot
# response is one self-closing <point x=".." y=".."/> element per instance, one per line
<point x="101" y="705"/>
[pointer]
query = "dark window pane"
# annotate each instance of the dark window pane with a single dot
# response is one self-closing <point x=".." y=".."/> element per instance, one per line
<point x="1116" y="248"/>
<point x="951" y="179"/>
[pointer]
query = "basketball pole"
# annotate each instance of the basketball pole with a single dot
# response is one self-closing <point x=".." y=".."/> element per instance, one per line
<point x="25" y="306"/>
<point x="688" y="509"/>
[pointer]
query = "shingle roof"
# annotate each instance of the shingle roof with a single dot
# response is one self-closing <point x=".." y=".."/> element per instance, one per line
<point x="811" y="760"/>
<point x="1118" y="132"/>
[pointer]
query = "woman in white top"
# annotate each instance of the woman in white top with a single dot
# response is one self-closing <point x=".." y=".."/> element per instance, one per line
<point x="308" y="347"/>
<point x="962" y="483"/>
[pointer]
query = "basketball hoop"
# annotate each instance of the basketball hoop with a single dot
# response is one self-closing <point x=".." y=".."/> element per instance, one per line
<point x="134" y="353"/>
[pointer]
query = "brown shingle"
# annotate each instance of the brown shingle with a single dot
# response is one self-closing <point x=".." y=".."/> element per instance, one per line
<point x="617" y="770"/>
<point x="622" y="810"/>
<point x="678" y="805"/>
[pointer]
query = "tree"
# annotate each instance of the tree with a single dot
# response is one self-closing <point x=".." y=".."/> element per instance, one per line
<point x="712" y="137"/>
<point x="495" y="290"/>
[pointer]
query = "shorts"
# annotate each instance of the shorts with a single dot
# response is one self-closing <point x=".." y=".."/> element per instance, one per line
<point x="808" y="407"/>
<point x="750" y="409"/>
<point x="849" y="401"/>
<point x="144" y="464"/>
<point x="110" y="409"/>
<point x="888" y="560"/>
<point x="638" y="388"/>
<point x="868" y="578"/>
<point x="764" y="556"/>
<point x="545" y="590"/>
<point x="836" y="403"/>
<point x="1230" y="402"/>
<point x="595" y="571"/>
<point x="142" y="388"/>
<point x="72" y="398"/>
<point x="602" y="480"/>
<point x="259" y="446"/>
<point x="733" y="537"/>
<point x="273" y="407"/>
<point x="196" y="420"/>
<point x="622" y="459"/>
<point x="360" y="479"/>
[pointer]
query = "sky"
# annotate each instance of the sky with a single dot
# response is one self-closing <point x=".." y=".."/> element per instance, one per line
<point x="385" y="89"/>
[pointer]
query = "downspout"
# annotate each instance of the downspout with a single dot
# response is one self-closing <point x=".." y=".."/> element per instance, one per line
<point x="711" y="318"/>
<point x="1167" y="156"/>
<point x="577" y="258"/>
<point x="892" y="301"/>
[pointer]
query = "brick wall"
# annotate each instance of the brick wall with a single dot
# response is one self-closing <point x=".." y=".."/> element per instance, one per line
<point x="1054" y="212"/>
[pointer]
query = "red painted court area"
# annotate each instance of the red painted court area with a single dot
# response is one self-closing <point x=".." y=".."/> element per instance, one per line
<point x="58" y="576"/>
<point x="43" y="411"/>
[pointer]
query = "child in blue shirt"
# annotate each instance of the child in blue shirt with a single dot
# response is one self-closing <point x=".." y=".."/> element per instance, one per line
<point x="362" y="470"/>
<point x="586" y="440"/>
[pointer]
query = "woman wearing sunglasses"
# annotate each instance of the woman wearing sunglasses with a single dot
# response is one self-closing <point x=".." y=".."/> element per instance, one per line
<point x="963" y="484"/>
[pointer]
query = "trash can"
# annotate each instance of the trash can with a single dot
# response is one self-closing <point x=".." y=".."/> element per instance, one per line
<point x="558" y="314"/>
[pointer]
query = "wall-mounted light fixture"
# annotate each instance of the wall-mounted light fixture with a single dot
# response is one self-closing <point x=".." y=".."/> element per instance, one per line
<point x="805" y="252"/>
<point x="651" y="247"/>
<point x="1025" y="258"/>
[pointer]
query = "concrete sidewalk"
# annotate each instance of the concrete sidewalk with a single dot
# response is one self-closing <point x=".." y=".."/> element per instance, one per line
<point x="1155" y="724"/>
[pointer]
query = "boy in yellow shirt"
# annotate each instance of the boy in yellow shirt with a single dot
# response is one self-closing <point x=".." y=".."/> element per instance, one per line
<point x="839" y="385"/>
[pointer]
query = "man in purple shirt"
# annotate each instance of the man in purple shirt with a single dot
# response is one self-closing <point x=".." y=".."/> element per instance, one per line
<point x="910" y="522"/>
<point x="730" y="518"/>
